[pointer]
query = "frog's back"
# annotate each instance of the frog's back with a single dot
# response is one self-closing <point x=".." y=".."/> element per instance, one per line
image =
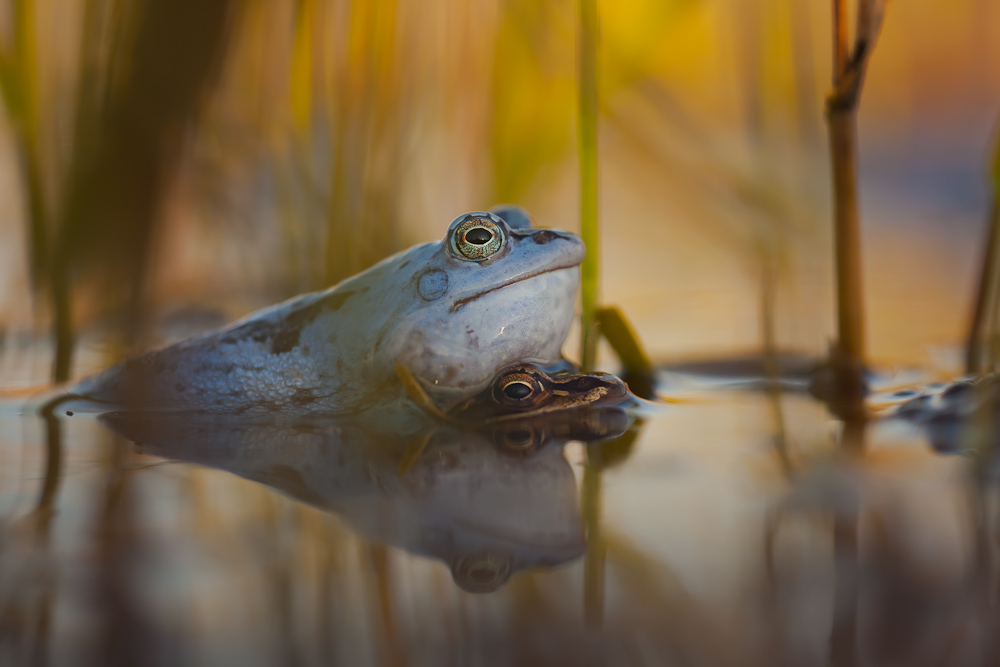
<point x="261" y="363"/>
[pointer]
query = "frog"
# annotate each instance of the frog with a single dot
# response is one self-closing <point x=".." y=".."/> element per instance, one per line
<point x="526" y="408"/>
<point x="451" y="312"/>
<point x="526" y="390"/>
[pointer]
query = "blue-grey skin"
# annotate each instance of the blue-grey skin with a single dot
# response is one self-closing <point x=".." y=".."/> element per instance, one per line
<point x="451" y="321"/>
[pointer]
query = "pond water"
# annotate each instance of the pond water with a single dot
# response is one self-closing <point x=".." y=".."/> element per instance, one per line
<point x="715" y="530"/>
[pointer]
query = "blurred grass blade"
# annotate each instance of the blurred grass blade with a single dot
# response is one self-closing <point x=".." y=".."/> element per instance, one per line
<point x="19" y="92"/>
<point x="116" y="180"/>
<point x="637" y="370"/>
<point x="588" y="180"/>
<point x="300" y="87"/>
<point x="982" y="328"/>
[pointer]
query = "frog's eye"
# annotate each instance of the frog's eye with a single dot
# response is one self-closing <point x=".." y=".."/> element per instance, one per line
<point x="518" y="390"/>
<point x="481" y="573"/>
<point x="478" y="238"/>
<point x="520" y="439"/>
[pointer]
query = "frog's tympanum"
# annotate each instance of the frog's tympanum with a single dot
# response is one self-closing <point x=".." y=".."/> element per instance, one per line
<point x="441" y="491"/>
<point x="452" y="312"/>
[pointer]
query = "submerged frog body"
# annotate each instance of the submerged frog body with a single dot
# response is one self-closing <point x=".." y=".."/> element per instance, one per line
<point x="452" y="313"/>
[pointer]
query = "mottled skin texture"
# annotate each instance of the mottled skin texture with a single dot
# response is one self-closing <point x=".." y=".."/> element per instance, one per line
<point x="452" y="322"/>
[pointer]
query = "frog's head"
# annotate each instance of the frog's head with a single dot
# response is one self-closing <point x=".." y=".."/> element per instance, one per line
<point x="525" y="391"/>
<point x="486" y="297"/>
<point x="526" y="408"/>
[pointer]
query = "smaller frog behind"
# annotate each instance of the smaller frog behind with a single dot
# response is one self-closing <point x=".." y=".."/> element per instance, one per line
<point x="526" y="390"/>
<point x="526" y="409"/>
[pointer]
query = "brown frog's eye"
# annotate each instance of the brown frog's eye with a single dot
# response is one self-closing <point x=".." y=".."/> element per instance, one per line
<point x="478" y="238"/>
<point x="519" y="390"/>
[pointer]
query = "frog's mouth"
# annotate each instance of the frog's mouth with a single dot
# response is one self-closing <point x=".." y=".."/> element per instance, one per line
<point x="464" y="301"/>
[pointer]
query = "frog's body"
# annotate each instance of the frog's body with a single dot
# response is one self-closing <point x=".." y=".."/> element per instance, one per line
<point x="452" y="320"/>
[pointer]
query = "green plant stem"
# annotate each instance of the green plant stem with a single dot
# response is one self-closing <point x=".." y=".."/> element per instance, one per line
<point x="980" y="329"/>
<point x="588" y="181"/>
<point x="62" y="318"/>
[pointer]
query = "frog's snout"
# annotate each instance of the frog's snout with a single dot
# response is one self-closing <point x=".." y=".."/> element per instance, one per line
<point x="558" y="243"/>
<point x="600" y="389"/>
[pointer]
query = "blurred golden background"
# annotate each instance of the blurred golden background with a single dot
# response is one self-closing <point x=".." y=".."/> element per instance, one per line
<point x="168" y="165"/>
<point x="291" y="144"/>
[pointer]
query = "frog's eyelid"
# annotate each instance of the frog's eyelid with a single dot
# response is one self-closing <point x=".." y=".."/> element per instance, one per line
<point x="492" y="217"/>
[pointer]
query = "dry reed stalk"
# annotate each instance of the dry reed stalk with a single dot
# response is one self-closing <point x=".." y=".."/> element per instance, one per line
<point x="841" y="110"/>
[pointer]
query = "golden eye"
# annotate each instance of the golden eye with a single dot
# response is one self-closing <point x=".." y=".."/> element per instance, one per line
<point x="518" y="390"/>
<point x="478" y="238"/>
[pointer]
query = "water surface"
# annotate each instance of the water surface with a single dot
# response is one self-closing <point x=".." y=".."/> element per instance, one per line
<point x="700" y="536"/>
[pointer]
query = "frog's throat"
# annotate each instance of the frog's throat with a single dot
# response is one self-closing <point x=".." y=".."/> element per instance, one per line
<point x="464" y="301"/>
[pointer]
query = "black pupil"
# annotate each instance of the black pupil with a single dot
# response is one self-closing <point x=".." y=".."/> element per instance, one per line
<point x="517" y="390"/>
<point x="479" y="236"/>
<point x="519" y="437"/>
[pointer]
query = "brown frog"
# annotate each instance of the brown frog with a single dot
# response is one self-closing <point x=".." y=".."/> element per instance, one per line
<point x="526" y="407"/>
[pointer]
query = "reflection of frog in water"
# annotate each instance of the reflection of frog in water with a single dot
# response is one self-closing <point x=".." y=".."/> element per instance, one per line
<point x="462" y="499"/>
<point x="453" y="312"/>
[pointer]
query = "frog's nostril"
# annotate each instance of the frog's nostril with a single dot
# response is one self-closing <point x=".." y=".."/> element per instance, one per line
<point x="543" y="236"/>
